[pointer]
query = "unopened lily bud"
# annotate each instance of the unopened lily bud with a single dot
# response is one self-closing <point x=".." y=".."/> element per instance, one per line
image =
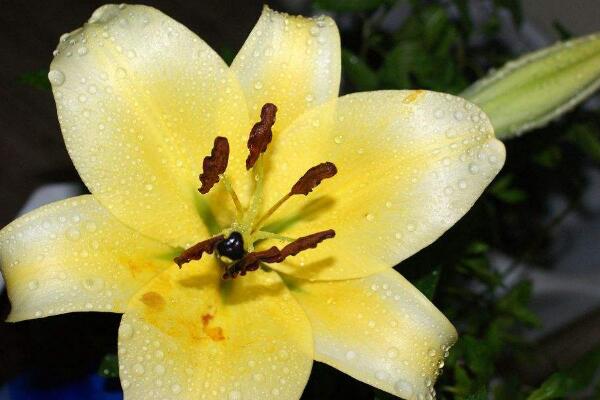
<point x="531" y="91"/>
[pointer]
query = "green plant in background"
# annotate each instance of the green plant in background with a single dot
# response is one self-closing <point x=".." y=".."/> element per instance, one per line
<point x="438" y="46"/>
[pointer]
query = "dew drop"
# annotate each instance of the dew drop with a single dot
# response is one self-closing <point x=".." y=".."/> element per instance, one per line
<point x="126" y="331"/>
<point x="392" y="352"/>
<point x="258" y="377"/>
<point x="138" y="369"/>
<point x="258" y="85"/>
<point x="33" y="285"/>
<point x="458" y="116"/>
<point x="148" y="187"/>
<point x="73" y="234"/>
<point x="93" y="284"/>
<point x="159" y="369"/>
<point x="125" y="383"/>
<point x="235" y="395"/>
<point x="381" y="375"/>
<point x="473" y="168"/>
<point x="462" y="184"/>
<point x="56" y="77"/>
<point x="350" y="355"/>
<point x="388" y="204"/>
<point x="338" y="139"/>
<point x="91" y="226"/>
<point x="176" y="388"/>
<point x="82" y="51"/>
<point x="370" y="217"/>
<point x="403" y="388"/>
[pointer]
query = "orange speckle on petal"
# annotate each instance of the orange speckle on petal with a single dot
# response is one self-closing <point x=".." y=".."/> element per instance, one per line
<point x="215" y="333"/>
<point x="413" y="96"/>
<point x="153" y="300"/>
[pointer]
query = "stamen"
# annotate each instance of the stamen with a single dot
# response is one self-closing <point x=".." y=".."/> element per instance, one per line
<point x="261" y="134"/>
<point x="195" y="252"/>
<point x="214" y="165"/>
<point x="313" y="177"/>
<point x="251" y="261"/>
<point x="232" y="194"/>
<point x="310" y="180"/>
<point x="306" y="242"/>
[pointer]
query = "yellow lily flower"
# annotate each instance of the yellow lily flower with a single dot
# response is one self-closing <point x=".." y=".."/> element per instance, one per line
<point x="140" y="101"/>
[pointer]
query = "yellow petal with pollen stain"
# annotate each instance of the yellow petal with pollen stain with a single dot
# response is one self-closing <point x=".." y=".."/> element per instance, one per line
<point x="291" y="61"/>
<point x="73" y="255"/>
<point x="410" y="164"/>
<point x="380" y="330"/>
<point x="191" y="335"/>
<point x="140" y="100"/>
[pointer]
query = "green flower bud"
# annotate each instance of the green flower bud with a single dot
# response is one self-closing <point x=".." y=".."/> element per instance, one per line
<point x="534" y="89"/>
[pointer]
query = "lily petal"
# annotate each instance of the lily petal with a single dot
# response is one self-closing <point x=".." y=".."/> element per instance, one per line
<point x="380" y="330"/>
<point x="73" y="255"/>
<point x="140" y="100"/>
<point x="410" y="164"/>
<point x="291" y="61"/>
<point x="184" y="337"/>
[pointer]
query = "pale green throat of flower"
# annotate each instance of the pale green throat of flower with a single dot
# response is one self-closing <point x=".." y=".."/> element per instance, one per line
<point x="235" y="244"/>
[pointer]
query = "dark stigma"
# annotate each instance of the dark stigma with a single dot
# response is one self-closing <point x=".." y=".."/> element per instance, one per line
<point x="232" y="247"/>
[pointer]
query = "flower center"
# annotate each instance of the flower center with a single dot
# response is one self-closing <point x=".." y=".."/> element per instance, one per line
<point x="235" y="245"/>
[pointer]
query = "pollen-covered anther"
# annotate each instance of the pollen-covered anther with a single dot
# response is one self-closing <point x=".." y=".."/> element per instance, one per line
<point x="214" y="165"/>
<point x="196" y="251"/>
<point x="313" y="177"/>
<point x="261" y="134"/>
<point x="251" y="261"/>
<point x="310" y="180"/>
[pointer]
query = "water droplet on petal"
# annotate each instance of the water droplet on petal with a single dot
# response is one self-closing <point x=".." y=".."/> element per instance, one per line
<point x="56" y="77"/>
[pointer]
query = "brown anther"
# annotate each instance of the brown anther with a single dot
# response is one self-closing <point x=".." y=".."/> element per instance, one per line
<point x="251" y="262"/>
<point x="313" y="177"/>
<point x="195" y="252"/>
<point x="261" y="134"/>
<point x="214" y="165"/>
<point x="306" y="242"/>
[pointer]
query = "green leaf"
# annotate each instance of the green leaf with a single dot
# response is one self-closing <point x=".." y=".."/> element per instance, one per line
<point x="516" y="301"/>
<point x="531" y="91"/>
<point x="400" y="62"/>
<point x="358" y="72"/>
<point x="569" y="381"/>
<point x="503" y="191"/>
<point x="479" y="357"/>
<point x="549" y="157"/>
<point x="109" y="366"/>
<point x="37" y="79"/>
<point x="428" y="283"/>
<point x="435" y="23"/>
<point x="349" y="5"/>
<point x="588" y="142"/>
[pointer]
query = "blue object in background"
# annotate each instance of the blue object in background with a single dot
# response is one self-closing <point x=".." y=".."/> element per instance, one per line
<point x="92" y="387"/>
